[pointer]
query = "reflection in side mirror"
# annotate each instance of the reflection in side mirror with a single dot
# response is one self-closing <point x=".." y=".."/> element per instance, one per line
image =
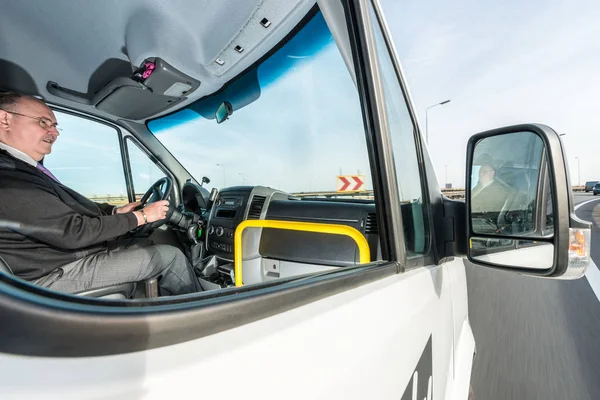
<point x="515" y="253"/>
<point x="519" y="213"/>
<point x="223" y="112"/>
<point x="509" y="186"/>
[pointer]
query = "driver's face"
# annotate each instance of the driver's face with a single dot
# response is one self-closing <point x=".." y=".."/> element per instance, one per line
<point x="29" y="128"/>
<point x="486" y="174"/>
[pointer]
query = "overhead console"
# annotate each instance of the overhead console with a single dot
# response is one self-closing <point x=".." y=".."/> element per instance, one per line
<point x="150" y="89"/>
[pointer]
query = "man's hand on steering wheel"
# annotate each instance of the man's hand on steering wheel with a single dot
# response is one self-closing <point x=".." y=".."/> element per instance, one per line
<point x="152" y="212"/>
<point x="127" y="208"/>
<point x="156" y="210"/>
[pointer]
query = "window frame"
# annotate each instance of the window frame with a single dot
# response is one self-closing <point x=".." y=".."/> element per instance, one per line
<point x="118" y="130"/>
<point x="131" y="139"/>
<point x="430" y="192"/>
<point x="119" y="327"/>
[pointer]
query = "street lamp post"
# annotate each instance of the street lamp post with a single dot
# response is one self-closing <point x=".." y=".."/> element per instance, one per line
<point x="224" y="180"/>
<point x="578" y="173"/>
<point x="427" y="118"/>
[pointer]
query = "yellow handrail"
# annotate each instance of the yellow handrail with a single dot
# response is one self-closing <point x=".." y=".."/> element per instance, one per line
<point x="361" y="241"/>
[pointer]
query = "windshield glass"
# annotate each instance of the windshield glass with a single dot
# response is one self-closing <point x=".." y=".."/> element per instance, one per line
<point x="296" y="122"/>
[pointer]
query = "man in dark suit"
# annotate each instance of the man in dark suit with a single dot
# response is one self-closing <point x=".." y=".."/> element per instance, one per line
<point x="489" y="196"/>
<point x="75" y="244"/>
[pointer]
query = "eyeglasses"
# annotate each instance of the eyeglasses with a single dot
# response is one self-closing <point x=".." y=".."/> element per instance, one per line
<point x="45" y="123"/>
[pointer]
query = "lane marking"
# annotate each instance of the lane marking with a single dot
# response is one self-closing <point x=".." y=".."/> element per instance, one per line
<point x="593" y="276"/>
<point x="592" y="273"/>
<point x="584" y="203"/>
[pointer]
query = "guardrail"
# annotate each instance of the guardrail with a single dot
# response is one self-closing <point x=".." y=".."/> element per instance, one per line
<point x="454" y="193"/>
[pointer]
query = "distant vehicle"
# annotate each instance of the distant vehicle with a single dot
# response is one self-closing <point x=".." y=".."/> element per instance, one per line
<point x="589" y="186"/>
<point x="596" y="188"/>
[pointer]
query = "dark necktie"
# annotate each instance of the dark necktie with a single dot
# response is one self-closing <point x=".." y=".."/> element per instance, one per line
<point x="45" y="170"/>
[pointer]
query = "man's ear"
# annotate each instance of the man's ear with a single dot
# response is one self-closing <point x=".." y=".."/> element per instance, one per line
<point x="5" y="119"/>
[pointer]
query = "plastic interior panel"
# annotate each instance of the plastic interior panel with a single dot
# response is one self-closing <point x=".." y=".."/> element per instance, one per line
<point x="308" y="247"/>
<point x="177" y="32"/>
<point x="259" y="269"/>
<point x="288" y="269"/>
<point x="135" y="103"/>
<point x="165" y="76"/>
<point x="310" y="227"/>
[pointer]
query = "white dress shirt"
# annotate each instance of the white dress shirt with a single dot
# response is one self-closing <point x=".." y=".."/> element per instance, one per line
<point x="18" y="154"/>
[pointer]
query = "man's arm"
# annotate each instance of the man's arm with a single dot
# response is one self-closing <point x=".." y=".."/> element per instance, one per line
<point x="106" y="208"/>
<point x="35" y="205"/>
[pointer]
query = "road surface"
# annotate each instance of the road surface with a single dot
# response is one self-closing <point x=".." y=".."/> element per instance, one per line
<point x="537" y="338"/>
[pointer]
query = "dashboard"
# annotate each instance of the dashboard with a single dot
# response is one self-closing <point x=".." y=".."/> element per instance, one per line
<point x="293" y="249"/>
<point x="232" y="206"/>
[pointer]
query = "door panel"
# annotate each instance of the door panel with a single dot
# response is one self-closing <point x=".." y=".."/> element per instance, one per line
<point x="463" y="339"/>
<point x="448" y="329"/>
<point x="361" y="344"/>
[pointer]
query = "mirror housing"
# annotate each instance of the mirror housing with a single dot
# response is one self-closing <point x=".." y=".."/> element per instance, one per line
<point x="519" y="204"/>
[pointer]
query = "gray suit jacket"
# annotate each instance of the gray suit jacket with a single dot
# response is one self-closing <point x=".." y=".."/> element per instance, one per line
<point x="490" y="199"/>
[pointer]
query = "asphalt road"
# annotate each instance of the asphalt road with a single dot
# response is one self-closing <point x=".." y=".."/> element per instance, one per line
<point x="536" y="338"/>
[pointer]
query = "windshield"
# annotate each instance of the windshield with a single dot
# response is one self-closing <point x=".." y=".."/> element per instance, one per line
<point x="296" y="123"/>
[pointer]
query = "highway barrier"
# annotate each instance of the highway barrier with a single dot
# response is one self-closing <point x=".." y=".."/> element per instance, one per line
<point x="455" y="193"/>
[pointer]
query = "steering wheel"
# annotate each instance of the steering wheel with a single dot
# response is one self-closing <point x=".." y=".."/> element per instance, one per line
<point x="155" y="193"/>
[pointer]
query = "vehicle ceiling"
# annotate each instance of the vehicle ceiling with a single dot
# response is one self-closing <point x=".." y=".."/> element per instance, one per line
<point x="81" y="45"/>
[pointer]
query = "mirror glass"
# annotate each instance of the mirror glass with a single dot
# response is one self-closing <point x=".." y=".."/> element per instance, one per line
<point x="510" y="196"/>
<point x="223" y="112"/>
<point x="515" y="253"/>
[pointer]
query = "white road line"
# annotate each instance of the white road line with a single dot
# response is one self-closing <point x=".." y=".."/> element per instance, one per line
<point x="593" y="276"/>
<point x="584" y="203"/>
<point x="593" y="273"/>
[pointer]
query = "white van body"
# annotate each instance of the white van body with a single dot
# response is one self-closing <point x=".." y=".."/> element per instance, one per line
<point x="397" y="328"/>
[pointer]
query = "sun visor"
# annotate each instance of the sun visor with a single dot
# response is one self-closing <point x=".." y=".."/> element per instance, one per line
<point x="152" y="88"/>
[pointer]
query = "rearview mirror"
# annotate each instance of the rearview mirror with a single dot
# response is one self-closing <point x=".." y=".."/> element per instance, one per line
<point x="223" y="112"/>
<point x="519" y="204"/>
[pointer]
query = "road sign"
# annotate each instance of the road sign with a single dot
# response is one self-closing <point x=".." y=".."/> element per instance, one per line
<point x="350" y="183"/>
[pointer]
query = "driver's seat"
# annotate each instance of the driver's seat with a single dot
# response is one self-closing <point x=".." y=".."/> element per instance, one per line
<point x="120" y="291"/>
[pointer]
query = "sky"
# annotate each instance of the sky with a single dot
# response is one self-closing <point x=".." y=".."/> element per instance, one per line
<point x="501" y="63"/>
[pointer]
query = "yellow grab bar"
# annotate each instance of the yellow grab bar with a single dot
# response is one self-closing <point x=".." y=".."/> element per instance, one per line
<point x="361" y="241"/>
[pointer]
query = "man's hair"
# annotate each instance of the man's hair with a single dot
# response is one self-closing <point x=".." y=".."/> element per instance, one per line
<point x="10" y="100"/>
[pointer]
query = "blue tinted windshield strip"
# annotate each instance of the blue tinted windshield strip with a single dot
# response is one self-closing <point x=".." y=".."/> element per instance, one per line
<point x="313" y="37"/>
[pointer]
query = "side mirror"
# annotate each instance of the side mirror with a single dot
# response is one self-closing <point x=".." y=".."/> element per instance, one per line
<point x="205" y="180"/>
<point x="519" y="204"/>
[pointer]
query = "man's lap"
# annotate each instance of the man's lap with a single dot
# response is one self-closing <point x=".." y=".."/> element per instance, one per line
<point x="122" y="261"/>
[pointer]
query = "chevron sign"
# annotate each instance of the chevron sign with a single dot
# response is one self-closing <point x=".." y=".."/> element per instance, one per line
<point x="350" y="183"/>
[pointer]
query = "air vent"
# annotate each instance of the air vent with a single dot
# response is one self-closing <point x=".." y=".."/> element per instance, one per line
<point x="256" y="207"/>
<point x="371" y="224"/>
